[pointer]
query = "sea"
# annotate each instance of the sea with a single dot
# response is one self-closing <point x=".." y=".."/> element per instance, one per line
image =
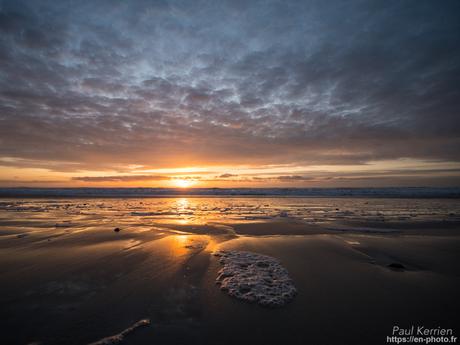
<point x="387" y="192"/>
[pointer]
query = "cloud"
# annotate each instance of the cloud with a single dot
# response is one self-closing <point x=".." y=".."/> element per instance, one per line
<point x="133" y="178"/>
<point x="17" y="182"/>
<point x="290" y="178"/>
<point x="121" y="178"/>
<point x="98" y="86"/>
<point x="227" y="175"/>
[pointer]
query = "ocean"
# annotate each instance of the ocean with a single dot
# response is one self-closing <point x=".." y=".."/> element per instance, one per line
<point x="387" y="192"/>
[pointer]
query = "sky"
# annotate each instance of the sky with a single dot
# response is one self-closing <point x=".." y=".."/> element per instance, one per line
<point x="229" y="93"/>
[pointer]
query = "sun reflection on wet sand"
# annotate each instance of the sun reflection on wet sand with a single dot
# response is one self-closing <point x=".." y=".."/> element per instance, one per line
<point x="182" y="204"/>
<point x="177" y="245"/>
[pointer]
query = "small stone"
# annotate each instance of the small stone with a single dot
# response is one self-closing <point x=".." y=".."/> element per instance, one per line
<point x="396" y="266"/>
<point x="117" y="229"/>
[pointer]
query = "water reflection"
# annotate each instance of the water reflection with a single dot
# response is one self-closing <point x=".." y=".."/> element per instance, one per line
<point x="182" y="204"/>
<point x="72" y="215"/>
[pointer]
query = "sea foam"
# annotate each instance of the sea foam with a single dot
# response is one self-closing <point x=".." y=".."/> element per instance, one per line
<point x="255" y="278"/>
<point x="118" y="338"/>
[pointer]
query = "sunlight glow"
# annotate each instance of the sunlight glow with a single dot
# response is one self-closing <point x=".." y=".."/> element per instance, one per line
<point x="183" y="183"/>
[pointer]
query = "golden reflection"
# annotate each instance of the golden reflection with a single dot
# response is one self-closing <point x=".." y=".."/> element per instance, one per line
<point x="188" y="244"/>
<point x="212" y="245"/>
<point x="178" y="244"/>
<point x="181" y="239"/>
<point x="182" y="204"/>
<point x="182" y="208"/>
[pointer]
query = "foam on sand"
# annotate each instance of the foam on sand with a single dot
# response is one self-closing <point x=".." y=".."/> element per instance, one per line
<point x="254" y="277"/>
<point x="117" y="338"/>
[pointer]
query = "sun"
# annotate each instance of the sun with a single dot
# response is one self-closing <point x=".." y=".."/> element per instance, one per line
<point x="183" y="183"/>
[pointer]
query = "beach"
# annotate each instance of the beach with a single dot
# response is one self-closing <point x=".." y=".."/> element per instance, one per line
<point x="77" y="270"/>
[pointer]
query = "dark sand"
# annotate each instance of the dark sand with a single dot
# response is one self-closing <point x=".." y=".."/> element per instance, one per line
<point x="80" y="283"/>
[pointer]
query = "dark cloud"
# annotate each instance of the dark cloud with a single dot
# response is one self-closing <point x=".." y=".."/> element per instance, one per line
<point x="226" y="175"/>
<point x="164" y="84"/>
<point x="449" y="174"/>
<point x="294" y="178"/>
<point x="132" y="178"/>
<point x="16" y="182"/>
<point x="121" y="178"/>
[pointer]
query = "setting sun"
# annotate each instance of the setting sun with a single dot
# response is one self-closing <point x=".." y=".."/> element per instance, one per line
<point x="183" y="183"/>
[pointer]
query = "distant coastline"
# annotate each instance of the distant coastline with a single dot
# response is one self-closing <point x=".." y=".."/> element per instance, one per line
<point x="387" y="192"/>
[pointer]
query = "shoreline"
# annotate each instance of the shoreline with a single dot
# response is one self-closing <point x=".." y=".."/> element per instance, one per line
<point x="314" y="192"/>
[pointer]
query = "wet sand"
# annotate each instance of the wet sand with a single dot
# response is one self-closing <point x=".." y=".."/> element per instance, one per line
<point x="69" y="278"/>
